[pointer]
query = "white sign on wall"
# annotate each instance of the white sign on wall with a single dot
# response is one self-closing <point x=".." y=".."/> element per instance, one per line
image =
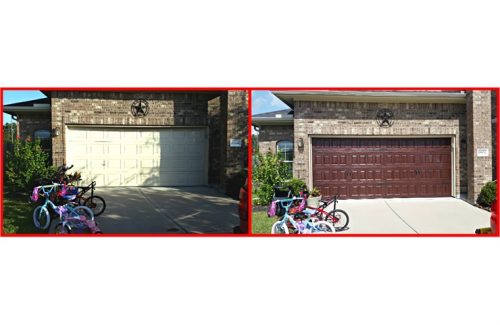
<point x="483" y="152"/>
<point x="235" y="143"/>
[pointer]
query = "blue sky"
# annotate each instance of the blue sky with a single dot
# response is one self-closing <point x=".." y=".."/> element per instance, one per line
<point x="264" y="101"/>
<point x="16" y="96"/>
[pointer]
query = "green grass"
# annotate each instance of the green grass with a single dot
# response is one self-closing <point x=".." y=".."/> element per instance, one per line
<point x="261" y="223"/>
<point x="18" y="215"/>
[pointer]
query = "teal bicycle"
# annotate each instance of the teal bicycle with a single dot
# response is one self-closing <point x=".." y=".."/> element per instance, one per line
<point x="41" y="214"/>
<point x="298" y="224"/>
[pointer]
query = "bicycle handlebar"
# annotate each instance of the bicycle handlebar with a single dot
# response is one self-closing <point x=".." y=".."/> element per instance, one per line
<point x="289" y="202"/>
<point x="51" y="187"/>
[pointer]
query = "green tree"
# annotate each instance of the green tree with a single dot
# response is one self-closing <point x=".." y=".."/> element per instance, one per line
<point x="255" y="143"/>
<point x="10" y="132"/>
<point x="25" y="163"/>
<point x="268" y="172"/>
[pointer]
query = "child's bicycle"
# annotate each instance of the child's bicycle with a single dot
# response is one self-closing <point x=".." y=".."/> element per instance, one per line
<point x="77" y="225"/>
<point x="337" y="217"/>
<point x="41" y="214"/>
<point x="297" y="224"/>
<point x="94" y="202"/>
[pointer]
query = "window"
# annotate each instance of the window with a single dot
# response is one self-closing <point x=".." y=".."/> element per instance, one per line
<point x="45" y="139"/>
<point x="284" y="149"/>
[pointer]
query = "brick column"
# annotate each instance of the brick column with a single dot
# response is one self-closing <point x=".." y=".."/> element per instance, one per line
<point x="237" y="128"/>
<point x="479" y="136"/>
<point x="57" y="119"/>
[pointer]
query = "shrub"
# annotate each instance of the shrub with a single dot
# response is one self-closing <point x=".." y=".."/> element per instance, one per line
<point x="24" y="163"/>
<point x="9" y="227"/>
<point x="268" y="172"/>
<point x="295" y="184"/>
<point x="488" y="194"/>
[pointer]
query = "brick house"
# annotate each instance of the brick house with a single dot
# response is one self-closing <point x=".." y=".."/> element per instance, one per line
<point x="369" y="144"/>
<point x="143" y="138"/>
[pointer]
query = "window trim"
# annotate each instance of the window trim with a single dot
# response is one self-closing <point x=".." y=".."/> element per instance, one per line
<point x="278" y="152"/>
<point x="43" y="129"/>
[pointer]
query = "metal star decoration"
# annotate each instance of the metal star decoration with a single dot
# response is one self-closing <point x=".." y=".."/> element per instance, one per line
<point x="385" y="118"/>
<point x="140" y="108"/>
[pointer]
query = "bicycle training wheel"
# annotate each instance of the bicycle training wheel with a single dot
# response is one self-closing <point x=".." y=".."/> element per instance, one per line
<point x="61" y="229"/>
<point x="339" y="219"/>
<point x="279" y="227"/>
<point x="41" y="217"/>
<point x="323" y="227"/>
<point x="96" y="204"/>
<point x="81" y="211"/>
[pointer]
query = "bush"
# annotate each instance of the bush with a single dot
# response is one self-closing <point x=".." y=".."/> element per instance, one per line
<point x="295" y="184"/>
<point x="488" y="194"/>
<point x="24" y="163"/>
<point x="268" y="172"/>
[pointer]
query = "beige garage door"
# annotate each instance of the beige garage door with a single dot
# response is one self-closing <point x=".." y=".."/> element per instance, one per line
<point x="139" y="157"/>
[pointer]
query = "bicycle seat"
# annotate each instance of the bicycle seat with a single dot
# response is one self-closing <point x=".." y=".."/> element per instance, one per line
<point x="70" y="197"/>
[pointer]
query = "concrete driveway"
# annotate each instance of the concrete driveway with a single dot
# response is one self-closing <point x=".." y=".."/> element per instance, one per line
<point x="156" y="210"/>
<point x="413" y="216"/>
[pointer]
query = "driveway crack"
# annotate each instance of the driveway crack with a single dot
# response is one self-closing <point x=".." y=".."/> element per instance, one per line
<point x="401" y="218"/>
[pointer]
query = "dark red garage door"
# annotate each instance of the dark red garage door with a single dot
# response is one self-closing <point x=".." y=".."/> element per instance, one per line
<point x="372" y="167"/>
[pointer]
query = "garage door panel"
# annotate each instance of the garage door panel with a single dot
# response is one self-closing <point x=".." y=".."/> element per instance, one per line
<point x="96" y="149"/>
<point x="114" y="149"/>
<point x="129" y="164"/>
<point x="130" y="179"/>
<point x="384" y="167"/>
<point x="130" y="149"/>
<point x="113" y="178"/>
<point x="114" y="164"/>
<point x="139" y="157"/>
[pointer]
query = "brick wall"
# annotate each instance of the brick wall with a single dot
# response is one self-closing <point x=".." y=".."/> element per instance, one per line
<point x="359" y="119"/>
<point x="494" y="133"/>
<point x="217" y="108"/>
<point x="269" y="135"/>
<point x="224" y="112"/>
<point x="478" y="136"/>
<point x="28" y="124"/>
<point x="114" y="108"/>
<point x="236" y="128"/>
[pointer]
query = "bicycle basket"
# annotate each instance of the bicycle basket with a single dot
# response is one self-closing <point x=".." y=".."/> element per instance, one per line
<point x="280" y="210"/>
<point x="34" y="195"/>
<point x="282" y="192"/>
<point x="271" y="210"/>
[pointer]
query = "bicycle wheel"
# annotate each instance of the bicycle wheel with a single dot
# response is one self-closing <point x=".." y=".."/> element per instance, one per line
<point x="323" y="227"/>
<point x="339" y="219"/>
<point x="96" y="204"/>
<point x="279" y="227"/>
<point x="81" y="211"/>
<point x="41" y="217"/>
<point x="61" y="229"/>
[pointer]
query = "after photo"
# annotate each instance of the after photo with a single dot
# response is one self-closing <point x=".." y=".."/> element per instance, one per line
<point x="360" y="161"/>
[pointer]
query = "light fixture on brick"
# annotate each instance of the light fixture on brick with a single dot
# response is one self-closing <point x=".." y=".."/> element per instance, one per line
<point x="56" y="131"/>
<point x="300" y="144"/>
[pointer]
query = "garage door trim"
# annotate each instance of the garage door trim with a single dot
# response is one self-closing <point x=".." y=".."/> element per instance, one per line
<point x="452" y="137"/>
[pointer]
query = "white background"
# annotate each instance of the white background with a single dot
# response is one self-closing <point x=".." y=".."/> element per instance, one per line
<point x="249" y="280"/>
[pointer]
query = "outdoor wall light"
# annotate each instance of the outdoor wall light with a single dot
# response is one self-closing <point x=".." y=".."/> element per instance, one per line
<point x="300" y="144"/>
<point x="56" y="131"/>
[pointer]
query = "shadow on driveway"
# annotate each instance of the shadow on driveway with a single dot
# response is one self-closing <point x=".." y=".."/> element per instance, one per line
<point x="174" y="210"/>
